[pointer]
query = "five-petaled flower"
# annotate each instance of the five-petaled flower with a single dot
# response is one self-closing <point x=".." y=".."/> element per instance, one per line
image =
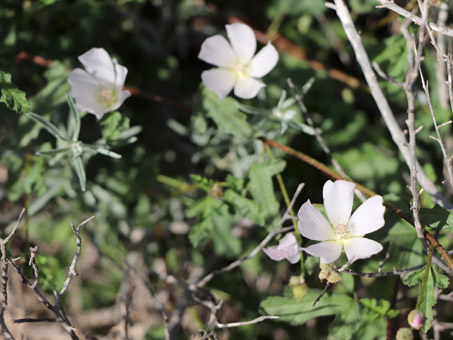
<point x="344" y="231"/>
<point x="238" y="68"/>
<point x="287" y="248"/>
<point x="99" y="88"/>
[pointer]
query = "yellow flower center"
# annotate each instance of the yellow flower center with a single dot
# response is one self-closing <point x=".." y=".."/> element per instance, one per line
<point x="342" y="232"/>
<point x="108" y="97"/>
<point x="240" y="69"/>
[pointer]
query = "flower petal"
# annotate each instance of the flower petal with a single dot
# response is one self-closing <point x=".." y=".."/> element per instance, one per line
<point x="242" y="40"/>
<point x="361" y="248"/>
<point x="293" y="257"/>
<point x="85" y="89"/>
<point x="288" y="241"/>
<point x="264" y="61"/>
<point x="328" y="251"/>
<point x="313" y="225"/>
<point x="121" y="73"/>
<point x="247" y="87"/>
<point x="98" y="63"/>
<point x="218" y="80"/>
<point x="368" y="217"/>
<point x="123" y="96"/>
<point x="338" y="198"/>
<point x="216" y="50"/>
<point x="289" y="245"/>
<point x="274" y="253"/>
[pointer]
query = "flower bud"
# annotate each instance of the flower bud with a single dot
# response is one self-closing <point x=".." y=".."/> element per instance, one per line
<point x="327" y="273"/>
<point x="416" y="319"/>
<point x="404" y="334"/>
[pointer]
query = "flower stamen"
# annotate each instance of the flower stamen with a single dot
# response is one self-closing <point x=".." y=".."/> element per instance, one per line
<point x="342" y="232"/>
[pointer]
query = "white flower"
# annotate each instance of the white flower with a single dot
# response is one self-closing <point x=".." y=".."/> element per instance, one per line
<point x="237" y="67"/>
<point x="287" y="248"/>
<point x="99" y="88"/>
<point x="344" y="231"/>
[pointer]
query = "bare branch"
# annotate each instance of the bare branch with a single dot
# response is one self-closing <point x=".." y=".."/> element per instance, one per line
<point x="415" y="19"/>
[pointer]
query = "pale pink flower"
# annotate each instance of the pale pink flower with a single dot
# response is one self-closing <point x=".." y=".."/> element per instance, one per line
<point x="287" y="248"/>
<point x="99" y="88"/>
<point x="238" y="68"/>
<point x="344" y="231"/>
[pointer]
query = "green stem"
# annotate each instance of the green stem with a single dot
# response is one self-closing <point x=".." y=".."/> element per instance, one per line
<point x="282" y="186"/>
<point x="425" y="277"/>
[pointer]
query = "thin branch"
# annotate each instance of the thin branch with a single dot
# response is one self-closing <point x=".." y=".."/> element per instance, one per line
<point x="5" y="331"/>
<point x="384" y="274"/>
<point x="328" y="284"/>
<point x="30" y="320"/>
<point x="409" y="89"/>
<point x="71" y="272"/>
<point x="415" y="19"/>
<point x="246" y="323"/>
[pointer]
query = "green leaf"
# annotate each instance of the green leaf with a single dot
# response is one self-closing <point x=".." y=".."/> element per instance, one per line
<point x="112" y="125"/>
<point x="73" y="119"/>
<point x="214" y="222"/>
<point x="246" y="207"/>
<point x="11" y="96"/>
<point x="225" y="114"/>
<point x="77" y="165"/>
<point x="297" y="313"/>
<point x="413" y="278"/>
<point x="379" y="309"/>
<point x="437" y="217"/>
<point x="442" y="281"/>
<point x="52" y="129"/>
<point x="261" y="186"/>
<point x="428" y="299"/>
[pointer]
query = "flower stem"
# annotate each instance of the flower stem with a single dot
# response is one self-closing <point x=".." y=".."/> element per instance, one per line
<point x="325" y="169"/>
<point x="282" y="186"/>
<point x="425" y="277"/>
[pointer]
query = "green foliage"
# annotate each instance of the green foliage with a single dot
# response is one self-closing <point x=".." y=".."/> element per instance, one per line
<point x="379" y="309"/>
<point x="437" y="217"/>
<point x="112" y="126"/>
<point x="261" y="187"/>
<point x="224" y="113"/>
<point x="428" y="299"/>
<point x="11" y="96"/>
<point x="214" y="221"/>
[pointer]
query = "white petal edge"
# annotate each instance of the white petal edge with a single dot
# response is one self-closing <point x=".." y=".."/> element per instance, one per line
<point x="361" y="248"/>
<point x="84" y="89"/>
<point x="294" y="257"/>
<point x="338" y="198"/>
<point x="247" y="88"/>
<point x="328" y="251"/>
<point x="218" y="80"/>
<point x="216" y="50"/>
<point x="242" y="40"/>
<point x="274" y="253"/>
<point x="313" y="225"/>
<point x="289" y="245"/>
<point x="288" y="241"/>
<point x="121" y="73"/>
<point x="98" y="63"/>
<point x="264" y="61"/>
<point x="368" y="217"/>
